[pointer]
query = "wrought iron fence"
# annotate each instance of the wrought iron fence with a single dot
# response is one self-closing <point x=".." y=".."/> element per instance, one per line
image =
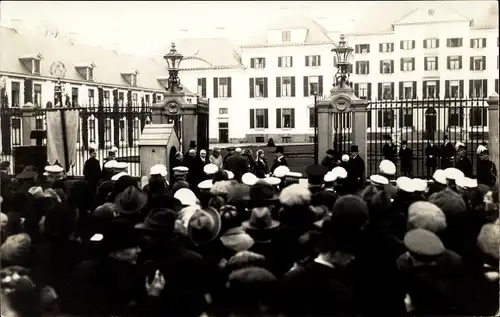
<point x="99" y="127"/>
<point x="422" y="124"/>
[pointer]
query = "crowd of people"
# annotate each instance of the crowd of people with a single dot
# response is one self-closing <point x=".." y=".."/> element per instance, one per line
<point x="232" y="236"/>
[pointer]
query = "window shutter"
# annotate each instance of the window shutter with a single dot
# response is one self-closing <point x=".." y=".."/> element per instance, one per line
<point x="461" y="88"/>
<point x="204" y="87"/>
<point x="279" y="61"/>
<point x="413" y="63"/>
<point x="425" y="63"/>
<point x="379" y="91"/>
<point x="471" y="43"/>
<point x="356" y="49"/>
<point x="381" y="67"/>
<point x="484" y="42"/>
<point x="229" y="87"/>
<point x="264" y="63"/>
<point x="357" y="67"/>
<point x="484" y="62"/>
<point x="460" y="42"/>
<point x="437" y="63"/>
<point x="447" y="89"/>
<point x="368" y="67"/>
<point x="216" y="87"/>
<point x="278" y="118"/>
<point x="369" y="91"/>
<point x="293" y="86"/>
<point x="401" y="44"/>
<point x="471" y="63"/>
<point x="278" y="87"/>
<point x="392" y="47"/>
<point x="266" y="118"/>
<point x="356" y="89"/>
<point x="291" y="61"/>
<point x="448" y="42"/>
<point x="368" y="47"/>
<point x="413" y="44"/>
<point x="251" y="87"/>
<point x="424" y="89"/>
<point x="292" y="125"/>
<point x="379" y="118"/>
<point x="471" y="88"/>
<point x="380" y="47"/>
<point x="496" y="86"/>
<point x="448" y="62"/>
<point x="414" y="90"/>
<point x="252" y="62"/>
<point x="401" y="94"/>
<point x="392" y="66"/>
<point x="401" y="62"/>
<point x="306" y="86"/>
<point x="307" y="61"/>
<point x="252" y="119"/>
<point x="460" y="62"/>
<point x="425" y="43"/>
<point x="485" y="88"/>
<point x="319" y="60"/>
<point x="392" y="91"/>
<point x="265" y="87"/>
<point x="320" y="85"/>
<point x="401" y="118"/>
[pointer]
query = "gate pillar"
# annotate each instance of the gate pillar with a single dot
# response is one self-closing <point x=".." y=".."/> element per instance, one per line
<point x="493" y="133"/>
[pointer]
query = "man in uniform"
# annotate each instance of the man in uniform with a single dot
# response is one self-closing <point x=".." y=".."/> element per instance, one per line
<point x="280" y="158"/>
<point x="389" y="150"/>
<point x="316" y="177"/>
<point x="446" y="154"/>
<point x="431" y="157"/>
<point x="406" y="157"/>
<point x="356" y="171"/>
<point x="463" y="163"/>
<point x="486" y="169"/>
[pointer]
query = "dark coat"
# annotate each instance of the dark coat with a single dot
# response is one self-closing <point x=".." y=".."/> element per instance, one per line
<point x="329" y="163"/>
<point x="389" y="151"/>
<point x="465" y="165"/>
<point x="406" y="157"/>
<point x="261" y="168"/>
<point x="92" y="171"/>
<point x="431" y="156"/>
<point x="237" y="165"/>
<point x="356" y="173"/>
<point x="446" y="153"/>
<point x="486" y="173"/>
<point x="196" y="173"/>
<point x="278" y="162"/>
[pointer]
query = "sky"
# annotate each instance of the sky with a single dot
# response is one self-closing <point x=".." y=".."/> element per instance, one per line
<point x="147" y="27"/>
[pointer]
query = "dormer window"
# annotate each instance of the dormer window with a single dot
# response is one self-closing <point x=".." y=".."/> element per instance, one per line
<point x="131" y="77"/>
<point x="86" y="71"/>
<point x="286" y="36"/>
<point x="32" y="63"/>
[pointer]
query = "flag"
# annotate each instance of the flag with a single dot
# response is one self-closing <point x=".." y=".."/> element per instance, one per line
<point x="55" y="141"/>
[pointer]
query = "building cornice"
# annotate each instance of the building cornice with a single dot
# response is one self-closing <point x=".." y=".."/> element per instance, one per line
<point x="286" y="45"/>
<point x="370" y="33"/>
<point x="222" y="67"/>
<point x="80" y="82"/>
<point x="432" y="22"/>
<point x="485" y="27"/>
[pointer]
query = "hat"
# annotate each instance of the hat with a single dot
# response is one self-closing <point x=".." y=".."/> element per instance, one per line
<point x="110" y="164"/>
<point x="119" y="235"/>
<point x="345" y="158"/>
<point x="379" y="180"/>
<point x="419" y="185"/>
<point x="293" y="175"/>
<point x="238" y="150"/>
<point x="295" y="195"/>
<point x="330" y="177"/>
<point x="405" y="184"/>
<point x="204" y="225"/>
<point x="439" y="177"/>
<point x="404" y="142"/>
<point x="249" y="179"/>
<point x="261" y="194"/>
<point x="231" y="148"/>
<point x="452" y="173"/>
<point x="230" y="175"/>
<point x="349" y="214"/>
<point x="340" y="172"/>
<point x="210" y="169"/>
<point x="260" y="219"/>
<point x="114" y="149"/>
<point x="459" y="145"/>
<point x="488" y="240"/>
<point x="221" y="188"/>
<point x="192" y="151"/>
<point x="354" y="148"/>
<point x="449" y="201"/>
<point x="206" y="184"/>
<point x="279" y="149"/>
<point x="36" y="192"/>
<point x="281" y="171"/>
<point x="316" y="173"/>
<point x="273" y="181"/>
<point x="118" y="176"/>
<point x="423" y="244"/>
<point x="53" y="169"/>
<point x="216" y="149"/>
<point x="121" y="165"/>
<point x="426" y="215"/>
<point x="470" y="182"/>
<point x="387" y="167"/>
<point x="158" y="169"/>
<point x="481" y="149"/>
<point x="186" y="197"/>
<point x="192" y="143"/>
<point x="180" y="170"/>
<point x="16" y="249"/>
<point x="131" y="200"/>
<point x="160" y="220"/>
<point x="238" y="193"/>
<point x="28" y="172"/>
<point x="330" y="152"/>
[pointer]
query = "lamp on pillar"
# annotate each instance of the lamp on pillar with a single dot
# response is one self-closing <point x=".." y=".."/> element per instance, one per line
<point x="173" y="59"/>
<point x="344" y="58"/>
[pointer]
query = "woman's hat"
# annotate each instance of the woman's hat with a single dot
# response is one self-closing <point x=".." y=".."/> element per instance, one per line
<point x="260" y="219"/>
<point x="261" y="194"/>
<point x="131" y="200"/>
<point x="204" y="225"/>
<point x="160" y="220"/>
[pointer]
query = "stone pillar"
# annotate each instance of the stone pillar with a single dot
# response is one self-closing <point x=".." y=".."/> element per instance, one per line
<point x="325" y="127"/>
<point x="28" y="123"/>
<point x="189" y="126"/>
<point x="493" y="126"/>
<point x="359" y="128"/>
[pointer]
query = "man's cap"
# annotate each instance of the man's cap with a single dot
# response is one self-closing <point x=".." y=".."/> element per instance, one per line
<point x="273" y="181"/>
<point x="330" y="177"/>
<point x="379" y="180"/>
<point x="181" y="169"/>
<point x="281" y="171"/>
<point x="158" y="169"/>
<point x="419" y="185"/>
<point x="231" y="148"/>
<point x="296" y="175"/>
<point x="121" y="165"/>
<point x="249" y="179"/>
<point x="118" y="176"/>
<point x="316" y="173"/>
<point x="452" y="173"/>
<point x="340" y="172"/>
<point x="345" y="158"/>
<point x="424" y="243"/>
<point x="230" y="175"/>
<point x="53" y="169"/>
<point x="110" y="164"/>
<point x="206" y="184"/>
<point x="405" y="184"/>
<point x="439" y="177"/>
<point x="186" y="197"/>
<point x="459" y="145"/>
<point x="387" y="167"/>
<point x="210" y="169"/>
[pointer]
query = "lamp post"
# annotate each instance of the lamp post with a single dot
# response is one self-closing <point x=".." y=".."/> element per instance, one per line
<point x="344" y="55"/>
<point x="316" y="148"/>
<point x="173" y="59"/>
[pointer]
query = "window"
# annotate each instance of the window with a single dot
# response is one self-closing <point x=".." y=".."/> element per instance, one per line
<point x="387" y="92"/>
<point x="478" y="63"/>
<point x="259" y="139"/>
<point x="202" y="87"/>
<point x="259" y="88"/>
<point x="134" y="99"/>
<point x="386" y="47"/>
<point x="122" y="130"/>
<point x="259" y="118"/>
<point x="286" y="139"/>
<point x="455" y="117"/>
<point x="312" y="118"/>
<point x="363" y="67"/>
<point x="222" y="87"/>
<point x="478" y="117"/>
<point x="15" y="93"/>
<point x="39" y="124"/>
<point x="285" y="61"/>
<point x="431" y="43"/>
<point x="90" y="74"/>
<point x="286" y="88"/>
<point x="108" y="130"/>
<point x="454" y="88"/>
<point x="313" y="85"/>
<point x="454" y="62"/>
<point x="387" y="67"/>
<point x="106" y="99"/>
<point x="407" y="118"/>
<point x="478" y="43"/>
<point x="136" y="129"/>
<point x="386" y="118"/>
<point x="91" y="97"/>
<point x="16" y="131"/>
<point x="223" y="132"/>
<point x="36" y="66"/>
<point x="91" y="127"/>
<point x="430" y="63"/>
<point x="454" y="42"/>
<point x="37" y="91"/>
<point x="74" y="97"/>
<point x="407" y="45"/>
<point x="408" y="64"/>
<point x="121" y="99"/>
<point x="286" y="36"/>
<point x="362" y="48"/>
<point x="285" y="118"/>
<point x="147" y="99"/>
<point x="133" y="80"/>
<point x="313" y="60"/>
<point x="408" y="90"/>
<point x="223" y="111"/>
<point x="478" y="88"/>
<point x="430" y="90"/>
<point x="258" y="62"/>
<point x="363" y="91"/>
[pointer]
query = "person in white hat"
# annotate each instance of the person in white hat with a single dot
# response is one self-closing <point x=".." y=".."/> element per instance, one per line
<point x="463" y="163"/>
<point x="111" y="156"/>
<point x="157" y="181"/>
<point x="54" y="172"/>
<point x="210" y="169"/>
<point x="388" y="169"/>
<point x="438" y="182"/>
<point x="180" y="172"/>
<point x="249" y="179"/>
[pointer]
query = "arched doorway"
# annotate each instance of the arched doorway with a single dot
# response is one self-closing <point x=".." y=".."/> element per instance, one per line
<point x="171" y="162"/>
<point x="430" y="122"/>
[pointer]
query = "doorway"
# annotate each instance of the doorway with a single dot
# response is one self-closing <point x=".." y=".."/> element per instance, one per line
<point x="223" y="132"/>
<point x="430" y="120"/>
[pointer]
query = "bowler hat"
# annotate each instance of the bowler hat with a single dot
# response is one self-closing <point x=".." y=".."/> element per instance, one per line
<point x="160" y="220"/>
<point x="261" y="194"/>
<point x="354" y="148"/>
<point x="260" y="219"/>
<point x="131" y="200"/>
